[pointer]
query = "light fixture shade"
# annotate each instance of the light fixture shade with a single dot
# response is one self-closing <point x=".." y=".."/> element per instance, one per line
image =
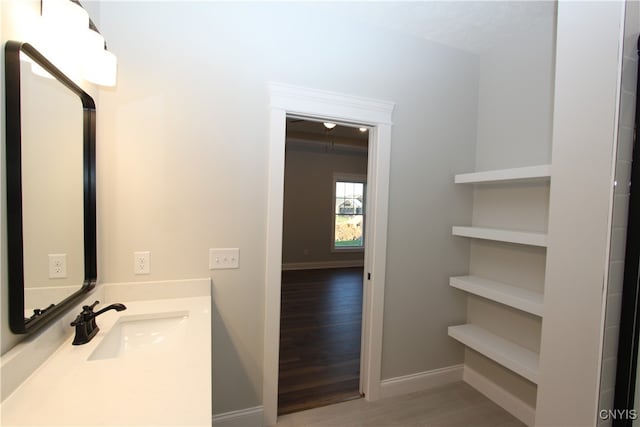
<point x="67" y="15"/>
<point x="64" y="26"/>
<point x="101" y="68"/>
<point x="72" y="46"/>
<point x="94" y="42"/>
<point x="329" y="125"/>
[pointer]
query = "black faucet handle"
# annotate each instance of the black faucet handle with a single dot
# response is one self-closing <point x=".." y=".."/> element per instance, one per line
<point x="89" y="308"/>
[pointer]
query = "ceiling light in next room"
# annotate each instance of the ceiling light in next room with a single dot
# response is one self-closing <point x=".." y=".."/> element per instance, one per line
<point x="362" y="129"/>
<point x="329" y="125"/>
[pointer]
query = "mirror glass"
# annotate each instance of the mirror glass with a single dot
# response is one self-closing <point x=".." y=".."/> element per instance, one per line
<point x="50" y="188"/>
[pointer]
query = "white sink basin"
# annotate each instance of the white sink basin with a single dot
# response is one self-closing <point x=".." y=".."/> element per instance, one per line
<point x="143" y="333"/>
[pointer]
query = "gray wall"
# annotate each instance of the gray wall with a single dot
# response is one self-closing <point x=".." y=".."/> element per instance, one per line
<point x="308" y="200"/>
<point x="182" y="162"/>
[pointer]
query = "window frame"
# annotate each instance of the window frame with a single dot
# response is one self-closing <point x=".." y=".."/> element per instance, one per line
<point x="355" y="178"/>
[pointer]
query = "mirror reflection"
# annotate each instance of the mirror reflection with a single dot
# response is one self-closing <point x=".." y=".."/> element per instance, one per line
<point x="52" y="188"/>
<point x="50" y="176"/>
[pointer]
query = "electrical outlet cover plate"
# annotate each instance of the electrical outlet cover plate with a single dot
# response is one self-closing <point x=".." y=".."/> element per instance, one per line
<point x="57" y="266"/>
<point x="141" y="262"/>
<point x="224" y="258"/>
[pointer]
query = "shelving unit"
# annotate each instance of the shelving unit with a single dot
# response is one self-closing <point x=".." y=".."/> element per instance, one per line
<point x="510" y="355"/>
<point x="513" y="296"/>
<point x="529" y="173"/>
<point x="480" y="337"/>
<point x="508" y="236"/>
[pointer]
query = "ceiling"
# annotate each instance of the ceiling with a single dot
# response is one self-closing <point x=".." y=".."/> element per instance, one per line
<point x="308" y="131"/>
<point x="473" y="26"/>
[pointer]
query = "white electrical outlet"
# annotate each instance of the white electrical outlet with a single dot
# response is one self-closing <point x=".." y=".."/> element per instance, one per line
<point x="141" y="262"/>
<point x="224" y="258"/>
<point x="57" y="266"/>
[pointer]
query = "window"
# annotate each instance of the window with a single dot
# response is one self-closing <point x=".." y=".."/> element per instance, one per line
<point x="349" y="205"/>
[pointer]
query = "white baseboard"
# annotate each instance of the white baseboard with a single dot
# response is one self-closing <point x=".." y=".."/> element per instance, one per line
<point x="317" y="265"/>
<point x="420" y="381"/>
<point x="516" y="407"/>
<point x="249" y="417"/>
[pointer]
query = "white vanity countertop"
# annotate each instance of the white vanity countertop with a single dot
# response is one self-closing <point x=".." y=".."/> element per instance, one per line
<point x="169" y="386"/>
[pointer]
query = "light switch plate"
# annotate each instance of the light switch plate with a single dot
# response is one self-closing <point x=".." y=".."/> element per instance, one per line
<point x="224" y="258"/>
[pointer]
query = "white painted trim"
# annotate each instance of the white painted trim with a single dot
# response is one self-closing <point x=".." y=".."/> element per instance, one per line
<point x="516" y="407"/>
<point x="329" y="105"/>
<point x="375" y="260"/>
<point x="285" y="99"/>
<point x="275" y="198"/>
<point x="421" y="381"/>
<point x="249" y="417"/>
<point x="318" y="265"/>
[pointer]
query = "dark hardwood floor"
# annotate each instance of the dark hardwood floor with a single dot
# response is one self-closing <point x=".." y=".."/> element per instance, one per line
<point x="320" y="322"/>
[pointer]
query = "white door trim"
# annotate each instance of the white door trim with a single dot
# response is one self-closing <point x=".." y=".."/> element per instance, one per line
<point x="292" y="100"/>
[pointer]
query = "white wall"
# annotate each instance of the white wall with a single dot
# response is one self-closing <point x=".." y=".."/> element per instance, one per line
<point x="182" y="162"/>
<point x="584" y="129"/>
<point x="308" y="201"/>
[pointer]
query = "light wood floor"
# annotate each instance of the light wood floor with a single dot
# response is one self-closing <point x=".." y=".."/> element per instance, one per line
<point x="454" y="405"/>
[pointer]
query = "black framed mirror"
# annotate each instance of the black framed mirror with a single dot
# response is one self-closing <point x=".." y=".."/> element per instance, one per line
<point x="51" y="202"/>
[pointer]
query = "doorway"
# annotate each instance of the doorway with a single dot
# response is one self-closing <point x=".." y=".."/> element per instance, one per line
<point x="323" y="249"/>
<point x="287" y="100"/>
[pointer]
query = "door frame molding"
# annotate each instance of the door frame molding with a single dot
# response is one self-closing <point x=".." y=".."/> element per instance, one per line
<point x="292" y="100"/>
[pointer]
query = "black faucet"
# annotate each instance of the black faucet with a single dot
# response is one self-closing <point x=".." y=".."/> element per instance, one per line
<point x="85" y="323"/>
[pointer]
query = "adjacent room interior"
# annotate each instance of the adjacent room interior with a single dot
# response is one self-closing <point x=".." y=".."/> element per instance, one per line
<point x="323" y="244"/>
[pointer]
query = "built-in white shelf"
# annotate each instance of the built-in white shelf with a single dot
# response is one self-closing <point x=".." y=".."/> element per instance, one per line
<point x="531" y="173"/>
<point x="512" y="356"/>
<point x="500" y="235"/>
<point x="513" y="296"/>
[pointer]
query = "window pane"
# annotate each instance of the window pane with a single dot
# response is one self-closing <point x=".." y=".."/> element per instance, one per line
<point x="349" y="231"/>
<point x="359" y="191"/>
<point x="348" y="189"/>
<point x="349" y="210"/>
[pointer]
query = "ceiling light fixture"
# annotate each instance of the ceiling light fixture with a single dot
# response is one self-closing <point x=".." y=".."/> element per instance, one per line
<point x="362" y="129"/>
<point x="85" y="55"/>
<point x="329" y="125"/>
